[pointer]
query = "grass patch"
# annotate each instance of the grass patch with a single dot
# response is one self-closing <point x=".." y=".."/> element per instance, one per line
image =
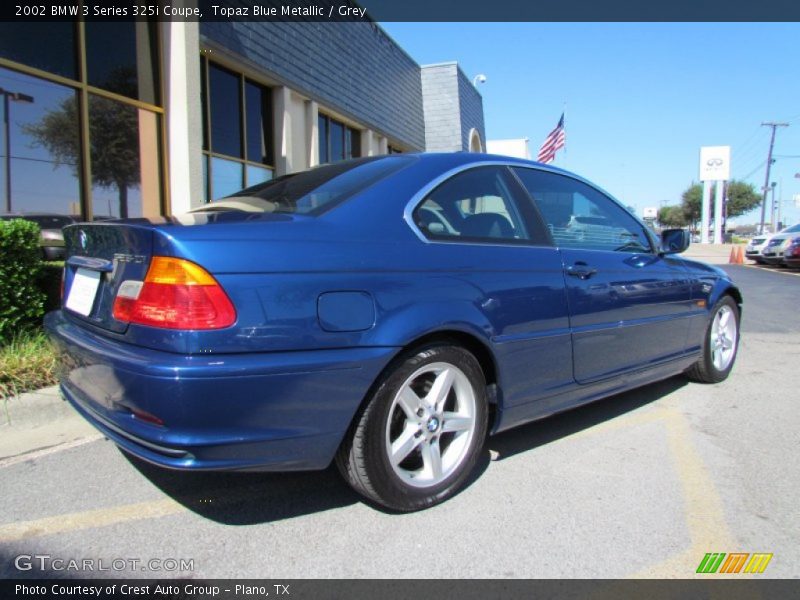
<point x="27" y="363"/>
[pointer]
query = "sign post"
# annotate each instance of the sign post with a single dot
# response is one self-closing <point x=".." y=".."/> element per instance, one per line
<point x="715" y="166"/>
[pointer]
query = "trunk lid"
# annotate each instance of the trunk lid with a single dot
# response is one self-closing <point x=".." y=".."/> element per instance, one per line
<point x="100" y="256"/>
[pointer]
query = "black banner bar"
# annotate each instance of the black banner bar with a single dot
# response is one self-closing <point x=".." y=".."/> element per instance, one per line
<point x="402" y="10"/>
<point x="742" y="588"/>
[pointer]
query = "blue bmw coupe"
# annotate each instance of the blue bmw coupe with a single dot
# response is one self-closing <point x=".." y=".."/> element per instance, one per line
<point x="385" y="313"/>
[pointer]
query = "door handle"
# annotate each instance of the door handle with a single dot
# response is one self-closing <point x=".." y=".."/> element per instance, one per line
<point x="581" y="270"/>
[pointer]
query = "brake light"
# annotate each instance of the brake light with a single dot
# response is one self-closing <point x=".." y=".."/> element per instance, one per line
<point x="175" y="294"/>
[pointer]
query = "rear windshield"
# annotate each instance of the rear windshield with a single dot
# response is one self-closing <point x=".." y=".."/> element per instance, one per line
<point x="317" y="190"/>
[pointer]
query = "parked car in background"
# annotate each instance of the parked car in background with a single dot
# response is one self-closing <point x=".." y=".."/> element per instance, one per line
<point x="51" y="237"/>
<point x="791" y="255"/>
<point x="756" y="246"/>
<point x="383" y="313"/>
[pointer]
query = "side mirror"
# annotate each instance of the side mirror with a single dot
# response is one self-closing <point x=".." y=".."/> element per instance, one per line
<point x="674" y="241"/>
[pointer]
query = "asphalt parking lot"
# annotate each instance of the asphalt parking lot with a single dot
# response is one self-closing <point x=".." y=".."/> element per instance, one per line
<point x="639" y="485"/>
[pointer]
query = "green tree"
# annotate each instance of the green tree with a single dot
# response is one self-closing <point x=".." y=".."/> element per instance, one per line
<point x="741" y="198"/>
<point x="690" y="203"/>
<point x="672" y="216"/>
<point x="113" y="137"/>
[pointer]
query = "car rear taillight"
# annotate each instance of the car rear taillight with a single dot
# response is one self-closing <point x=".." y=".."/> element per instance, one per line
<point x="175" y="294"/>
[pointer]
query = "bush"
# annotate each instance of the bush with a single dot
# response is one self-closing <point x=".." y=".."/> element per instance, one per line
<point x="50" y="283"/>
<point x="21" y="299"/>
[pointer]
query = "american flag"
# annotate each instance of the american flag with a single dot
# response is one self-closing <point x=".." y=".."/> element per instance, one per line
<point x="554" y="142"/>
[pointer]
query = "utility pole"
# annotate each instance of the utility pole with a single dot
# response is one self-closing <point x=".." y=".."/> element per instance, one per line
<point x="769" y="166"/>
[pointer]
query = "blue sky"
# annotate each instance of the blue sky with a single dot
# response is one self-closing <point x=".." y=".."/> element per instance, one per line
<point x="641" y="97"/>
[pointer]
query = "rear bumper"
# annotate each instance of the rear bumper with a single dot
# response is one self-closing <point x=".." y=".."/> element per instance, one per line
<point x="265" y="411"/>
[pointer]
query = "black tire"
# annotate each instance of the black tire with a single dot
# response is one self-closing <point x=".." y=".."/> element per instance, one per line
<point x="704" y="370"/>
<point x="364" y="456"/>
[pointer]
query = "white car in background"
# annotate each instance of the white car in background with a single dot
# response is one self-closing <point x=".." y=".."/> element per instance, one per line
<point x="754" y="250"/>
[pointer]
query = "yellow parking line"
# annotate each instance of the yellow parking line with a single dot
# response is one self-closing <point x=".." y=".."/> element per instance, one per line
<point x="89" y="519"/>
<point x="768" y="270"/>
<point x="703" y="505"/>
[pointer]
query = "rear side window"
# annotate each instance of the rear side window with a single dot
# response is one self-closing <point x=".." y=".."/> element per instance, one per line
<point x="579" y="216"/>
<point x="476" y="205"/>
<point x="318" y="190"/>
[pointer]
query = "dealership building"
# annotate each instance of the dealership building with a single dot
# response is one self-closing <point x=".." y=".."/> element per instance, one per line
<point x="147" y="118"/>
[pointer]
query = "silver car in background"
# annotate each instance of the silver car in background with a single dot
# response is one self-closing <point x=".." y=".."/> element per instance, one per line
<point x="755" y="249"/>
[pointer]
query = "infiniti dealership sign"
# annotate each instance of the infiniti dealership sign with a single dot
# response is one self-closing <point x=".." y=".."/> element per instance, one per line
<point x="715" y="163"/>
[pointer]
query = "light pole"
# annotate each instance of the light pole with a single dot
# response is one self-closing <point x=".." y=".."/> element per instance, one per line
<point x="772" y="211"/>
<point x="7" y="97"/>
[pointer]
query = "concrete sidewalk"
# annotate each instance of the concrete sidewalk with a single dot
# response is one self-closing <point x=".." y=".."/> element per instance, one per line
<point x="711" y="253"/>
<point x="39" y="421"/>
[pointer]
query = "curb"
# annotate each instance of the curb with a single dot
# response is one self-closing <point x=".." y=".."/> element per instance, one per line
<point x="33" y="409"/>
<point x="38" y="423"/>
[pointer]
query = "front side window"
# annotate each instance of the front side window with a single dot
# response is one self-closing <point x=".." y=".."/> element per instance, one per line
<point x="476" y="205"/>
<point x="579" y="216"/>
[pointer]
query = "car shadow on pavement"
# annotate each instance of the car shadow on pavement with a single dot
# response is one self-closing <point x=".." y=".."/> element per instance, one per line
<point x="252" y="498"/>
<point x="545" y="431"/>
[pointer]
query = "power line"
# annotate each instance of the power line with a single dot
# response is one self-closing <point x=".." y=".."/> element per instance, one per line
<point x="748" y="145"/>
<point x="753" y="172"/>
<point x="43" y="160"/>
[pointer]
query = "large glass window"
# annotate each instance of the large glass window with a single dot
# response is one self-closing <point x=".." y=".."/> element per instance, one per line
<point x="121" y="58"/>
<point x="48" y="46"/>
<point x="322" y="131"/>
<point x="258" y="123"/>
<point x="337" y="141"/>
<point x="108" y="164"/>
<point x="124" y="146"/>
<point x="476" y="205"/>
<point x="226" y="177"/>
<point x="225" y="105"/>
<point x="579" y="216"/>
<point x="238" y="140"/>
<point x="43" y="167"/>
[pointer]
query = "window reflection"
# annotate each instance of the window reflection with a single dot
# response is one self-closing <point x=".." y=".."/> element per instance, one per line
<point x="44" y="158"/>
<point x="226" y="177"/>
<point x="258" y="121"/>
<point x="23" y="43"/>
<point x="124" y="150"/>
<point x="337" y="141"/>
<point x="257" y="175"/>
<point x="322" y="127"/>
<point x="225" y="105"/>
<point x="120" y="58"/>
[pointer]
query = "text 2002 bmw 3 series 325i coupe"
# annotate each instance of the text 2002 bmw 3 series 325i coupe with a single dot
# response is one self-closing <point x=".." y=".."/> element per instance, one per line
<point x="383" y="313"/>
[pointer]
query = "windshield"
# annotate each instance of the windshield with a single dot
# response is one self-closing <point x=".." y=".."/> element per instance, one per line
<point x="317" y="190"/>
<point x="792" y="229"/>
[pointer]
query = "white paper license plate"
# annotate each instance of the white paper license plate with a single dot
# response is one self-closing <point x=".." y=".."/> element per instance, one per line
<point x="83" y="290"/>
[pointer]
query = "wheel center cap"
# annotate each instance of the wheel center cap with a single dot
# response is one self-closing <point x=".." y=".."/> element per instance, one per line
<point x="433" y="424"/>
